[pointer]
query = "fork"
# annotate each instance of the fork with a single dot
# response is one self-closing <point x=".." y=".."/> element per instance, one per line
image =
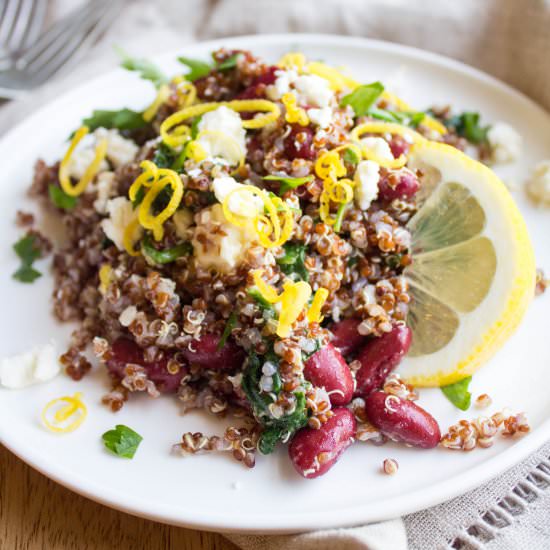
<point x="64" y="42"/>
<point x="20" y="23"/>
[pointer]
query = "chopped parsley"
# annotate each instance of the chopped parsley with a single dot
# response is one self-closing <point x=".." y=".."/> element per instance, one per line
<point x="122" y="441"/>
<point x="288" y="182"/>
<point x="146" y="69"/>
<point x="28" y="252"/>
<point x="458" y="393"/>
<point x="124" y="119"/>
<point x="293" y="262"/>
<point x="60" y="199"/>
<point x="467" y="125"/>
<point x="229" y="326"/>
<point x="363" y="98"/>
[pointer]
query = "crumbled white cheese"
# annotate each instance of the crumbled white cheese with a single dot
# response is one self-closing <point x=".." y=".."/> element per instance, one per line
<point x="127" y="316"/>
<point x="379" y="146"/>
<point x="538" y="185"/>
<point x="243" y="204"/>
<point x="505" y="143"/>
<point x="119" y="149"/>
<point x="282" y="83"/>
<point x="31" y="367"/>
<point x="321" y="117"/>
<point x="183" y="219"/>
<point x="313" y="90"/>
<point x="121" y="213"/>
<point x="231" y="146"/>
<point x="104" y="188"/>
<point x="217" y="243"/>
<point x="366" y="180"/>
<point x="80" y="160"/>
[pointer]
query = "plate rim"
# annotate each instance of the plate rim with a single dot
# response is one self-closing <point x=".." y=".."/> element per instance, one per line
<point x="346" y="516"/>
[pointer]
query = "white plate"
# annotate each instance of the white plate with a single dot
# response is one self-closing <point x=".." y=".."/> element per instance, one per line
<point x="214" y="492"/>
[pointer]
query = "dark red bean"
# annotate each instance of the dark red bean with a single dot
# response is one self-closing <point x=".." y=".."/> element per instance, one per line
<point x="399" y="146"/>
<point x="402" y="185"/>
<point x="314" y="452"/>
<point x="345" y="335"/>
<point x="379" y="357"/>
<point x="124" y="352"/>
<point x="327" y="369"/>
<point x="299" y="143"/>
<point x="402" y="420"/>
<point x="257" y="88"/>
<point x="205" y="353"/>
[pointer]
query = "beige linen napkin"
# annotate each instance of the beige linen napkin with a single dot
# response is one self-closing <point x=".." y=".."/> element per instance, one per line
<point x="507" y="38"/>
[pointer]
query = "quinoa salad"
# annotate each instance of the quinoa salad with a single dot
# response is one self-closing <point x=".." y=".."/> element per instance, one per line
<point x="241" y="245"/>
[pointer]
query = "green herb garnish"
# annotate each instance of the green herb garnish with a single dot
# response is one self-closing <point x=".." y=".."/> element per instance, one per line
<point x="195" y="127"/>
<point x="60" y="199"/>
<point x="350" y="156"/>
<point x="167" y="255"/>
<point x="262" y="302"/>
<point x="28" y="252"/>
<point x="363" y="98"/>
<point x="407" y="118"/>
<point x="293" y="262"/>
<point x="288" y="182"/>
<point x="467" y="125"/>
<point x="124" y="119"/>
<point x="229" y="326"/>
<point x="122" y="441"/>
<point x="340" y="217"/>
<point x="197" y="68"/>
<point x="164" y="156"/>
<point x="458" y="393"/>
<point x="146" y="69"/>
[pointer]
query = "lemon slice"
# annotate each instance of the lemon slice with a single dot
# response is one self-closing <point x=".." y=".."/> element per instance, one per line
<point x="473" y="271"/>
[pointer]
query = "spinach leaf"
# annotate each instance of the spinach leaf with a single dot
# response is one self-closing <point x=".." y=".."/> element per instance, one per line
<point x="363" y="98"/>
<point x="122" y="441"/>
<point x="350" y="156"/>
<point x="28" y="252"/>
<point x="124" y="119"/>
<point x="229" y="63"/>
<point x="197" y="68"/>
<point x="458" y="393"/>
<point x="467" y="125"/>
<point x="293" y="262"/>
<point x="146" y="69"/>
<point x="288" y="182"/>
<point x="166" y="255"/>
<point x="60" y="199"/>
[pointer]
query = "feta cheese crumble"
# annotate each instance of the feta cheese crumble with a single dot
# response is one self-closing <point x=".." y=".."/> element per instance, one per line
<point x="243" y="204"/>
<point x="80" y="160"/>
<point x="119" y="149"/>
<point x="367" y="175"/>
<point x="505" y="143"/>
<point x="313" y="90"/>
<point x="31" y="367"/>
<point x="378" y="146"/>
<point x="224" y="134"/>
<point x="121" y="214"/>
<point x="321" y="117"/>
<point x="538" y="185"/>
<point x="282" y="83"/>
<point x="104" y="188"/>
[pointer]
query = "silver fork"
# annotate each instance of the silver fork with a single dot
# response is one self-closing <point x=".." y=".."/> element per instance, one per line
<point x="64" y="42"/>
<point x="20" y="23"/>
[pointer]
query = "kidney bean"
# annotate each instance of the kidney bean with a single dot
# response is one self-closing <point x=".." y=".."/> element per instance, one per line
<point x="314" y="452"/>
<point x="345" y="335"/>
<point x="402" y="420"/>
<point x="327" y="369"/>
<point x="403" y="184"/>
<point x="124" y="351"/>
<point x="205" y="353"/>
<point x="379" y="357"/>
<point x="299" y="143"/>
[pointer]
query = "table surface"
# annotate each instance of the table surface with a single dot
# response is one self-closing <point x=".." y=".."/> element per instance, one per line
<point x="36" y="513"/>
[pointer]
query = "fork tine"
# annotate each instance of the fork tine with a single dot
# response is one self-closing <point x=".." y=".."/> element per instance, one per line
<point x="35" y="24"/>
<point x="20" y="25"/>
<point x="9" y="15"/>
<point x="57" y="33"/>
<point x="79" y="42"/>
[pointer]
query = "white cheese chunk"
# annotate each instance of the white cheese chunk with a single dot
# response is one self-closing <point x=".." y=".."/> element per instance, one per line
<point x="379" y="146"/>
<point x="31" y="367"/>
<point x="120" y="150"/>
<point x="104" y="187"/>
<point x="80" y="160"/>
<point x="321" y="117"/>
<point x="282" y="84"/>
<point x="243" y="204"/>
<point x="538" y="185"/>
<point x="224" y="134"/>
<point x="505" y="143"/>
<point x="366" y="180"/>
<point x="313" y="90"/>
<point x="217" y="243"/>
<point x="121" y="213"/>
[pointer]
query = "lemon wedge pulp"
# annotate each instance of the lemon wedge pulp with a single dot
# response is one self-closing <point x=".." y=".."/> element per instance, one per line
<point x="473" y="270"/>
